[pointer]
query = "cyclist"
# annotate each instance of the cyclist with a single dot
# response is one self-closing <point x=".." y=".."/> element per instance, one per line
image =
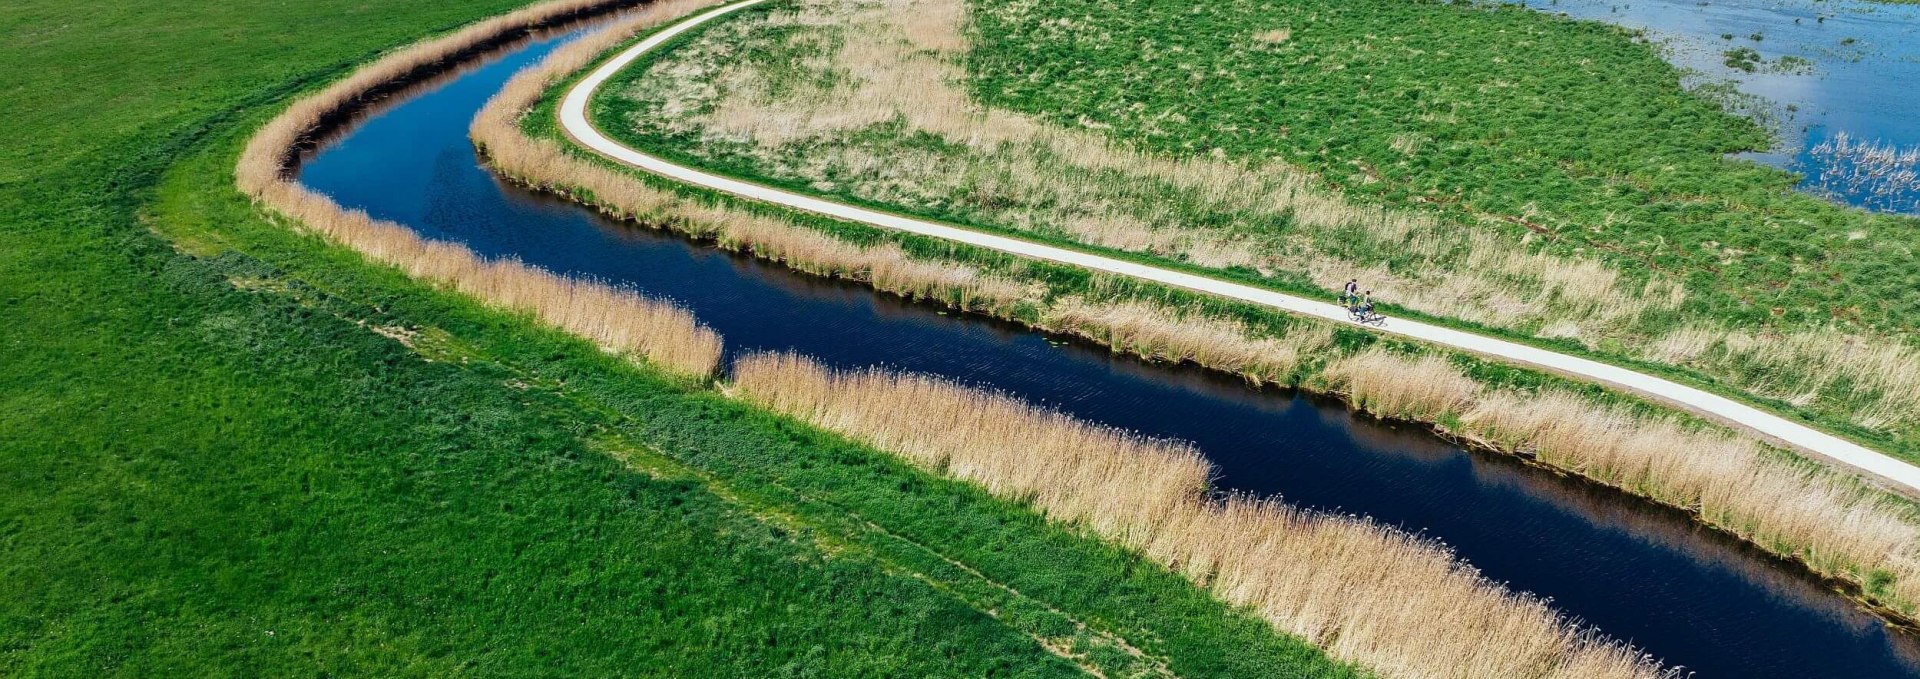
<point x="1351" y="293"/>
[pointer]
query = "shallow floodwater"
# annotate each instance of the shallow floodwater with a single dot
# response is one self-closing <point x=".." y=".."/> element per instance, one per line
<point x="1860" y="82"/>
<point x="1637" y="572"/>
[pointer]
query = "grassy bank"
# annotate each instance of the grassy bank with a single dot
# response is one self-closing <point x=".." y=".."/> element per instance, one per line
<point x="869" y="102"/>
<point x="1574" y="135"/>
<point x="1781" y="504"/>
<point x="619" y="320"/>
<point x="233" y="449"/>
<point x="1405" y="607"/>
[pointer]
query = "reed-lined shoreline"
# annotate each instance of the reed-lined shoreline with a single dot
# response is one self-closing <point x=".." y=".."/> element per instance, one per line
<point x="1861" y="539"/>
<point x="1395" y="603"/>
<point x="669" y="336"/>
<point x="619" y="320"/>
<point x="575" y="305"/>
<point x="671" y="331"/>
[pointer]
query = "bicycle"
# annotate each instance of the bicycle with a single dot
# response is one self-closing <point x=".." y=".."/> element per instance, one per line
<point x="1365" y="315"/>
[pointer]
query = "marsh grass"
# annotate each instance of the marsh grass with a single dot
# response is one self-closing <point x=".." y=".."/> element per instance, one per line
<point x="1627" y="446"/>
<point x="1509" y="125"/>
<point x="880" y="101"/>
<point x="1156" y="332"/>
<point x="1389" y="601"/>
<point x="619" y="320"/>
<point x="1887" y="177"/>
<point x="544" y="164"/>
<point x="1828" y="520"/>
<point x="866" y="100"/>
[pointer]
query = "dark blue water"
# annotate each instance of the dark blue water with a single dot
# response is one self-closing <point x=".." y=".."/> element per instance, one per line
<point x="1863" y="81"/>
<point x="1685" y="594"/>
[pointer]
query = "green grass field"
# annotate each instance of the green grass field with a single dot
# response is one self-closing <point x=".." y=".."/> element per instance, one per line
<point x="765" y="40"/>
<point x="1575" y="126"/>
<point x="1512" y="129"/>
<point x="211" y="465"/>
<point x="1575" y="131"/>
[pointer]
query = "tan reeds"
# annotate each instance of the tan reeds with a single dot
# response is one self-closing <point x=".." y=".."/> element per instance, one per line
<point x="1747" y="495"/>
<point x="1421" y="389"/>
<point x="899" y="62"/>
<point x="1074" y="472"/>
<point x="546" y="165"/>
<point x="1397" y="604"/>
<point x="1805" y="366"/>
<point x="1158" y="333"/>
<point x="1836" y="525"/>
<point x="618" y="320"/>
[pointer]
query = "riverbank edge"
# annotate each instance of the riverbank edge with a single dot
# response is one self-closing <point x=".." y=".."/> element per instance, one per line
<point x="263" y="143"/>
<point x="1879" y="442"/>
<point x="657" y="331"/>
<point x="1850" y="585"/>
<point x="1577" y="647"/>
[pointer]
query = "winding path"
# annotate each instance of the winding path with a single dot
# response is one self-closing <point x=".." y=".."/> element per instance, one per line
<point x="1900" y="476"/>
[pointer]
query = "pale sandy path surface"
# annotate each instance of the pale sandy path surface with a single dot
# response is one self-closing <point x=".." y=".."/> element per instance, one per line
<point x="1900" y="476"/>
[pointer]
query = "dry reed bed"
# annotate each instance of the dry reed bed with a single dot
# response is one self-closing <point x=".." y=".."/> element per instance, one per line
<point x="1151" y="331"/>
<point x="619" y="320"/>
<point x="1798" y="367"/>
<point x="1394" y="603"/>
<point x="1157" y="333"/>
<point x="1830" y="521"/>
<point x="887" y="62"/>
<point x="1164" y="514"/>
<point x="543" y="164"/>
<point x="1822" y="518"/>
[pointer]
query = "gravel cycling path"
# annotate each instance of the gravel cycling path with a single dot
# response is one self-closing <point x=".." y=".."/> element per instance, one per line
<point x="1900" y="476"/>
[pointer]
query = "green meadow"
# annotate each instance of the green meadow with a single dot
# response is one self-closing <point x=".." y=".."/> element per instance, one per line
<point x="1578" y="128"/>
<point x="228" y="449"/>
<point x="1506" y="170"/>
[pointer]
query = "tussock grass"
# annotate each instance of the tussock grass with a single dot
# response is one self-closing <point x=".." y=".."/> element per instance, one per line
<point x="1392" y="602"/>
<point x="545" y="165"/>
<point x="1829" y="520"/>
<point x="1730" y="481"/>
<point x="619" y="320"/>
<point x="1149" y="330"/>
<point x="1445" y="115"/>
<point x="844" y="96"/>
<point x="1158" y="333"/>
<point x="879" y="100"/>
<point x="1275" y="36"/>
